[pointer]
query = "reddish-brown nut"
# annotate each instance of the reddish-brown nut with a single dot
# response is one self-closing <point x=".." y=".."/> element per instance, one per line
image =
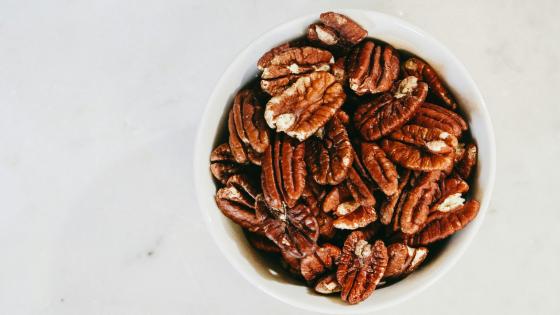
<point x="357" y="218"/>
<point x="330" y="158"/>
<point x="415" y="158"/>
<point x="379" y="167"/>
<point x="423" y="71"/>
<point x="432" y="140"/>
<point x="265" y="60"/>
<point x="448" y="225"/>
<point x="403" y="259"/>
<point x="466" y="164"/>
<point x="289" y="64"/>
<point x="305" y="106"/>
<point x="324" y="259"/>
<point x="451" y="195"/>
<point x="338" y="69"/>
<point x="358" y="188"/>
<point x="326" y="225"/>
<point x="237" y="202"/>
<point x="391" y="110"/>
<point x="283" y="172"/>
<point x="417" y="201"/>
<point x="361" y="267"/>
<point x="323" y="35"/>
<point x="434" y="116"/>
<point x="262" y="243"/>
<point x="346" y="28"/>
<point x="388" y="206"/>
<point x="328" y="284"/>
<point x="248" y="136"/>
<point x="372" y="68"/>
<point x="222" y="164"/>
<point x="294" y="230"/>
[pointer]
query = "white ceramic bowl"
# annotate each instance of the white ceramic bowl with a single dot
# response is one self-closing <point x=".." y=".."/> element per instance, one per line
<point x="230" y="238"/>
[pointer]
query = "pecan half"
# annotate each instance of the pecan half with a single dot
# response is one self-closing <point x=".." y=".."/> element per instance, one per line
<point x="372" y="68"/>
<point x="322" y="34"/>
<point x="305" y="106"/>
<point x="434" y="116"/>
<point x="388" y="206"/>
<point x="222" y="163"/>
<point x="330" y="158"/>
<point x="466" y="164"/>
<point x="417" y="201"/>
<point x="293" y="230"/>
<point x="248" y="136"/>
<point x="289" y="64"/>
<point x="328" y="284"/>
<point x="283" y="172"/>
<point x="391" y="110"/>
<point x="324" y="259"/>
<point x="403" y="259"/>
<point x="432" y="140"/>
<point x="423" y="71"/>
<point x="415" y="158"/>
<point x="451" y="191"/>
<point x="237" y="202"/>
<point x="344" y="26"/>
<point x="357" y="218"/>
<point x="448" y="225"/>
<point x="379" y="167"/>
<point x="361" y="267"/>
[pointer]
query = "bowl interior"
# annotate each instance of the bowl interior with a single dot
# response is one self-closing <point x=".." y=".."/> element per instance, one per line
<point x="230" y="238"/>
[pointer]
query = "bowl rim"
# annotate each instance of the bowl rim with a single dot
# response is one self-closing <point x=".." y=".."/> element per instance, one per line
<point x="474" y="227"/>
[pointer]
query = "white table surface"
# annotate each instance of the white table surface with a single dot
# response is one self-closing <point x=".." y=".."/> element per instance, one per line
<point x="99" y="104"/>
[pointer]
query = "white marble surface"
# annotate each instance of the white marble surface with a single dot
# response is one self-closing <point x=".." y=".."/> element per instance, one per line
<point x="99" y="103"/>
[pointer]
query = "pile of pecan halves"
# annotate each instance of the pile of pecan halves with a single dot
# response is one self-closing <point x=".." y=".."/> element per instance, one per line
<point x="346" y="159"/>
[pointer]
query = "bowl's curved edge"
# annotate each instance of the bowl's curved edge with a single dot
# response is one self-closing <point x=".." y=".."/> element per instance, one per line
<point x="473" y="228"/>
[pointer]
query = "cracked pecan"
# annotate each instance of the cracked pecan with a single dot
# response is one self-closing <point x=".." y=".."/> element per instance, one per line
<point x="294" y="230"/>
<point x="379" y="167"/>
<point x="451" y="195"/>
<point x="434" y="116"/>
<point x="322" y="260"/>
<point x="403" y="259"/>
<point x="289" y="64"/>
<point x="283" y="172"/>
<point x="248" y="136"/>
<point x="346" y="28"/>
<point x="328" y="284"/>
<point x="423" y="71"/>
<point x="468" y="161"/>
<point x="391" y="110"/>
<point x="388" y="206"/>
<point x="222" y="163"/>
<point x="305" y="106"/>
<point x="237" y="202"/>
<point x="330" y="158"/>
<point x="361" y="267"/>
<point x="446" y="226"/>
<point x="372" y="68"/>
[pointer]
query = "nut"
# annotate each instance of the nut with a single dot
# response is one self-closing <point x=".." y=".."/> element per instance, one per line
<point x="338" y="69"/>
<point x="305" y="106"/>
<point x="403" y="259"/>
<point x="293" y="230"/>
<point x="283" y="172"/>
<point x="372" y="68"/>
<point x="346" y="28"/>
<point x="434" y="116"/>
<point x="466" y="164"/>
<point x="262" y="243"/>
<point x="423" y="71"/>
<point x="432" y="140"/>
<point x="451" y="191"/>
<point x="358" y="218"/>
<point x="448" y="225"/>
<point x="328" y="284"/>
<point x="248" y="136"/>
<point x="417" y="201"/>
<point x="222" y="164"/>
<point x="391" y="110"/>
<point x="324" y="259"/>
<point x="237" y="202"/>
<point x="388" y="206"/>
<point x="415" y="158"/>
<point x="361" y="267"/>
<point x="379" y="167"/>
<point x="322" y="34"/>
<point x="330" y="158"/>
<point x="286" y="65"/>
